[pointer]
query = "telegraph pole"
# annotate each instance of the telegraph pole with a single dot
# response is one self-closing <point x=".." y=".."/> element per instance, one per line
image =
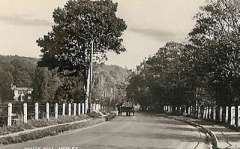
<point x="89" y="80"/>
<point x="91" y="77"/>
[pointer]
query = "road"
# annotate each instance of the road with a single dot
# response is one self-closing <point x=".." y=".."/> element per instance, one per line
<point x="143" y="131"/>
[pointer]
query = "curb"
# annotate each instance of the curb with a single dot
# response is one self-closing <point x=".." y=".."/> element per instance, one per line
<point x="214" y="140"/>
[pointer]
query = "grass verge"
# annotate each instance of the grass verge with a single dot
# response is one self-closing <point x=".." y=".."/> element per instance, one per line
<point x="31" y="124"/>
<point x="51" y="131"/>
<point x="49" y="127"/>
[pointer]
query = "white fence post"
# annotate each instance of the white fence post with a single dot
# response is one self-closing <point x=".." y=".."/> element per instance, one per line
<point x="226" y="115"/>
<point x="189" y="111"/>
<point x="79" y="108"/>
<point x="198" y="112"/>
<point x="86" y="108"/>
<point x="47" y="110"/>
<point x="232" y="122"/>
<point x="203" y="115"/>
<point x="9" y="114"/>
<point x="99" y="107"/>
<point x="210" y="113"/>
<point x="214" y="113"/>
<point x="238" y="116"/>
<point x="69" y="109"/>
<point x="36" y="111"/>
<point x="56" y="111"/>
<point x="25" y="113"/>
<point x="83" y="111"/>
<point x="74" y="109"/>
<point x="63" y="109"/>
<point x="220" y="114"/>
<point x="207" y="113"/>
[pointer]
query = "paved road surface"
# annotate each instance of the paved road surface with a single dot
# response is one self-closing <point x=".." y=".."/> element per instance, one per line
<point x="139" y="132"/>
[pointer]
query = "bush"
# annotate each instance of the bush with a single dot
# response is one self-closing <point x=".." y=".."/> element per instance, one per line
<point x="94" y="114"/>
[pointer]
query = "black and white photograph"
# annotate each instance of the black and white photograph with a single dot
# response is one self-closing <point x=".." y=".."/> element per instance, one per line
<point x="119" y="74"/>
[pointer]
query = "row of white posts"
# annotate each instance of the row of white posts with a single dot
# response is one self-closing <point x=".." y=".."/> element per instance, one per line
<point x="227" y="115"/>
<point x="78" y="109"/>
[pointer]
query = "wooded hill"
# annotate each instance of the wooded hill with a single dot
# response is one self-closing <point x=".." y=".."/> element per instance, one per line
<point x="109" y="81"/>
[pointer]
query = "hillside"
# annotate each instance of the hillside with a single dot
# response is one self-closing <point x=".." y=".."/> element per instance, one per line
<point x="22" y="72"/>
<point x="9" y="59"/>
<point x="109" y="83"/>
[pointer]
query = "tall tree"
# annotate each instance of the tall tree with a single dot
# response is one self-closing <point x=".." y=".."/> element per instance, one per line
<point x="77" y="27"/>
<point x="215" y="39"/>
<point x="40" y="83"/>
<point x="45" y="85"/>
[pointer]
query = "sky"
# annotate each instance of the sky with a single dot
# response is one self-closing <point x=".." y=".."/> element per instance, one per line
<point x="151" y="23"/>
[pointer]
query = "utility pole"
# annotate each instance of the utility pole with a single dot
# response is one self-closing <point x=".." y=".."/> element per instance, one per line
<point x="90" y="79"/>
<point x="91" y="76"/>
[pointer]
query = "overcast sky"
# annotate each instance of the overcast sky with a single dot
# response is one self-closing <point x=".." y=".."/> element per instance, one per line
<point x="151" y="23"/>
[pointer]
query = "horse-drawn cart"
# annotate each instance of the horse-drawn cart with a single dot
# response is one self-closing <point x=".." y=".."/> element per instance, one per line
<point x="126" y="107"/>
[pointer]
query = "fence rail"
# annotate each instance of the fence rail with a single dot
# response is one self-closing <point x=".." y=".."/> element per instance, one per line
<point x="224" y="114"/>
<point x="11" y="113"/>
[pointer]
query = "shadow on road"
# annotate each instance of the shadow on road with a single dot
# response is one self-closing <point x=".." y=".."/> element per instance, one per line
<point x="150" y="136"/>
<point x="116" y="147"/>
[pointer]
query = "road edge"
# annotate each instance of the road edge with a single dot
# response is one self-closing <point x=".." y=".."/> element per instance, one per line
<point x="214" y="140"/>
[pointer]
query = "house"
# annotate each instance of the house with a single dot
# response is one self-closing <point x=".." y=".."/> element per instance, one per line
<point x="20" y="92"/>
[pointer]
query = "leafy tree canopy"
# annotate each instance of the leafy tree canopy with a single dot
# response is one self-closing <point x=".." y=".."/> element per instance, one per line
<point x="78" y="25"/>
<point x="215" y="39"/>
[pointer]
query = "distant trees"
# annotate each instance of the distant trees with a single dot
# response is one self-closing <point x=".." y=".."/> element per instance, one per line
<point x="108" y="87"/>
<point x="161" y="79"/>
<point x="5" y="85"/>
<point x="109" y="84"/>
<point x="15" y="70"/>
<point x="50" y="86"/>
<point x="23" y="72"/>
